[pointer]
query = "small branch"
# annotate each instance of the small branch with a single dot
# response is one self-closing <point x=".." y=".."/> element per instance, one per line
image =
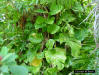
<point x="88" y="15"/>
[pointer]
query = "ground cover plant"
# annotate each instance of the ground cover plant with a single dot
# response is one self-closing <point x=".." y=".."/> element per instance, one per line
<point x="46" y="37"/>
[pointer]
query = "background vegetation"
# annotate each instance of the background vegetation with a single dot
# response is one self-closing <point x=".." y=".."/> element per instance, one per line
<point x="45" y="37"/>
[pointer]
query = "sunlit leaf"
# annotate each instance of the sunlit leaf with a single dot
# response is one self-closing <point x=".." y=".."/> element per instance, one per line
<point x="53" y="29"/>
<point x="75" y="48"/>
<point x="55" y="9"/>
<point x="50" y="43"/>
<point x="56" y="57"/>
<point x="36" y="62"/>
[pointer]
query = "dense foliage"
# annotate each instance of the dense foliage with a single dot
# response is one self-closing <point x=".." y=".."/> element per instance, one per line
<point x="45" y="37"/>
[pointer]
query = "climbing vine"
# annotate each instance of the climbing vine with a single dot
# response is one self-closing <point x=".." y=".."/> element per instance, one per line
<point x="45" y="37"/>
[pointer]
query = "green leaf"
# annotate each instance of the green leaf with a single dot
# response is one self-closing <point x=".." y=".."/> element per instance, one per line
<point x="68" y="62"/>
<point x="63" y="37"/>
<point x="75" y="48"/>
<point x="78" y="7"/>
<point x="35" y="69"/>
<point x="18" y="70"/>
<point x="52" y="29"/>
<point x="56" y="57"/>
<point x="1" y="41"/>
<point x="50" y="43"/>
<point x="5" y="74"/>
<point x="81" y="34"/>
<point x="9" y="58"/>
<point x="4" y="69"/>
<point x="40" y="11"/>
<point x="50" y="71"/>
<point x="67" y="17"/>
<point x="40" y="20"/>
<point x="55" y="9"/>
<point x="35" y="37"/>
<point x="37" y="26"/>
<point x="71" y="31"/>
<point x="69" y="3"/>
<point x="40" y="55"/>
<point x="50" y="20"/>
<point x="4" y="51"/>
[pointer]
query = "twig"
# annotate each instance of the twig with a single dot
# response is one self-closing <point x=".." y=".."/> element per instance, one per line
<point x="88" y="15"/>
